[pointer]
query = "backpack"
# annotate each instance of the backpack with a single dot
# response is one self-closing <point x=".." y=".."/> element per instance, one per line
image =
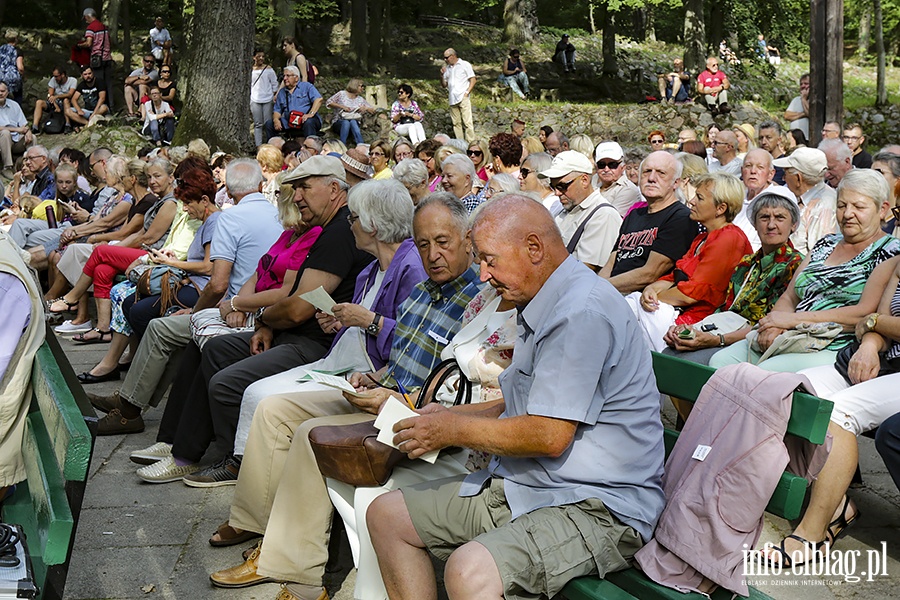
<point x="54" y="122"/>
<point x="8" y="71"/>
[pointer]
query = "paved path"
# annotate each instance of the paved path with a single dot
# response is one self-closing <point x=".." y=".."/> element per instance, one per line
<point x="134" y="535"/>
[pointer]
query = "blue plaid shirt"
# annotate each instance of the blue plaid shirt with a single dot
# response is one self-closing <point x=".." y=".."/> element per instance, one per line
<point x="473" y="201"/>
<point x="428" y="320"/>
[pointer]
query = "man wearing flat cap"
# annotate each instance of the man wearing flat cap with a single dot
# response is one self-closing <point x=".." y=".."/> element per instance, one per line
<point x="804" y="175"/>
<point x="589" y="224"/>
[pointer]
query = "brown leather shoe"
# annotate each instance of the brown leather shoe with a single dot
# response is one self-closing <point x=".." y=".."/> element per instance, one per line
<point x="242" y="575"/>
<point x="104" y="403"/>
<point x="115" y="423"/>
<point x="285" y="593"/>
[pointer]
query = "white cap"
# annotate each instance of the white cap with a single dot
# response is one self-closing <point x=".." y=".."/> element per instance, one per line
<point x="809" y="161"/>
<point x="608" y="150"/>
<point x="567" y="162"/>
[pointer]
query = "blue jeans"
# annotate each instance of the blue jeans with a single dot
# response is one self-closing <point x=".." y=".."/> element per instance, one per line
<point x="518" y="83"/>
<point x="310" y="127"/>
<point x="345" y="127"/>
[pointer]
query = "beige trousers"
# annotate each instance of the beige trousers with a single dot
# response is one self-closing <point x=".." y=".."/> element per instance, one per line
<point x="461" y="115"/>
<point x="8" y="147"/>
<point x="280" y="492"/>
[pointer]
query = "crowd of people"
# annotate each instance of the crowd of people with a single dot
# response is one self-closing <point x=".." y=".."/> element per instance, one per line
<point x="546" y="266"/>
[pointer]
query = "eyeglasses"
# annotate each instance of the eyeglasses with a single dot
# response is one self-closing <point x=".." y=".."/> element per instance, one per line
<point x="447" y="56"/>
<point x="165" y="71"/>
<point x="93" y="164"/>
<point x="373" y="154"/>
<point x="720" y="144"/>
<point x="150" y="60"/>
<point x="852" y="138"/>
<point x="179" y="182"/>
<point x="351" y="218"/>
<point x="29" y="158"/>
<point x="563" y="186"/>
<point x="612" y="165"/>
<point x="895" y="210"/>
<point x="524" y="172"/>
<point x="474" y="152"/>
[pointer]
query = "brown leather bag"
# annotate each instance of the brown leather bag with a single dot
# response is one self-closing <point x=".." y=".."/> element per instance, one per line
<point x="353" y="454"/>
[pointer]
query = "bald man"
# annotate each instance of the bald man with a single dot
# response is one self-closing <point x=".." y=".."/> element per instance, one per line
<point x="556" y="477"/>
<point x="725" y="149"/>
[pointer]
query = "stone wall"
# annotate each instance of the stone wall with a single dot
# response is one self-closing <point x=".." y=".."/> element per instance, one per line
<point x="881" y="126"/>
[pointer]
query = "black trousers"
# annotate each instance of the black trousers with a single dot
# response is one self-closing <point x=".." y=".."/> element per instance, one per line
<point x="205" y="400"/>
<point x="887" y="442"/>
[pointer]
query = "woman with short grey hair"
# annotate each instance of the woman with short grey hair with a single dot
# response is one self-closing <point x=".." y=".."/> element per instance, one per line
<point x="383" y="208"/>
<point x="413" y="174"/>
<point x="501" y="183"/>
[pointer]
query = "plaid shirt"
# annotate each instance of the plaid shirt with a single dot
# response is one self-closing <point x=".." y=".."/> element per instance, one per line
<point x="428" y="319"/>
<point x="473" y="201"/>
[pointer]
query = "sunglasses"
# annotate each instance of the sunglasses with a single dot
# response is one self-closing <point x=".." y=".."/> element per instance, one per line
<point x="563" y="186"/>
<point x="376" y="153"/>
<point x="608" y="164"/>
<point x="351" y="218"/>
<point x="474" y="152"/>
<point x="895" y="210"/>
<point x="656" y="141"/>
<point x="524" y="172"/>
<point x="179" y="182"/>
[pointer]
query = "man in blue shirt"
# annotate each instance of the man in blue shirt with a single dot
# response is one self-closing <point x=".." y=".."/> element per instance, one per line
<point x="574" y="487"/>
<point x="296" y="107"/>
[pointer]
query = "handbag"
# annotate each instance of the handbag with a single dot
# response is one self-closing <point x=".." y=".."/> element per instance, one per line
<point x="405" y="120"/>
<point x="722" y="322"/>
<point x="208" y="323"/>
<point x="805" y="338"/>
<point x="295" y="119"/>
<point x="96" y="61"/>
<point x="353" y="454"/>
<point x="350" y="115"/>
<point x="164" y="281"/>
<point x="842" y="362"/>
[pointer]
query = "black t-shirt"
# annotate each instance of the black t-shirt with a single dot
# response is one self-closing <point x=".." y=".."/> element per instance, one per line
<point x="668" y="232"/>
<point x="90" y="93"/>
<point x="334" y="252"/>
<point x="862" y="160"/>
<point x="141" y="207"/>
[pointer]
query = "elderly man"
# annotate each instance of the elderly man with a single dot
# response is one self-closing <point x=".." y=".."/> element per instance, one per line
<point x="713" y="85"/>
<point x="725" y="149"/>
<point x="137" y="84"/>
<point x="798" y="110"/>
<point x="588" y="223"/>
<point x="840" y="160"/>
<point x="652" y="237"/>
<point x="805" y="172"/>
<point x="459" y="79"/>
<point x="251" y="227"/>
<point x="413" y="174"/>
<point x="770" y="140"/>
<point x="556" y="142"/>
<point x="531" y="180"/>
<point x="458" y="177"/>
<point x="574" y="486"/>
<point x="294" y="545"/>
<point x="855" y="140"/>
<point x="296" y="108"/>
<point x="831" y="130"/>
<point x="675" y="85"/>
<point x="15" y="136"/>
<point x="756" y="174"/>
<point x="614" y="184"/>
<point x="60" y="89"/>
<point x="686" y="135"/>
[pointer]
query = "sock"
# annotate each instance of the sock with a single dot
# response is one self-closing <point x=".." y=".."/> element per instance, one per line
<point x="305" y="592"/>
<point x="128" y="410"/>
<point x="182" y="462"/>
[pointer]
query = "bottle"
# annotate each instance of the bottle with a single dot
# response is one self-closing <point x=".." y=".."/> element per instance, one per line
<point x="51" y="216"/>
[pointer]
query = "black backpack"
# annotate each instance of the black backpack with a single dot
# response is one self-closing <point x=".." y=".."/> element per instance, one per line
<point x="54" y="123"/>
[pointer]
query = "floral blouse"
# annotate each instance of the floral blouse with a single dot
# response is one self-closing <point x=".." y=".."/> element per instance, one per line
<point x="759" y="280"/>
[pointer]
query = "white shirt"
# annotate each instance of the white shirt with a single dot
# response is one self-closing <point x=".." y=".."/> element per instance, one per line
<point x="818" y="217"/>
<point x="11" y="115"/>
<point x="732" y="168"/>
<point x="622" y="194"/>
<point x="457" y="78"/>
<point x="158" y="35"/>
<point x="802" y="123"/>
<point x="551" y="202"/>
<point x="263" y="85"/>
<point x="70" y="84"/>
<point x="599" y="234"/>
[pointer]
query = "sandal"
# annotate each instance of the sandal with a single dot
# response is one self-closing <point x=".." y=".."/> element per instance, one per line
<point x="70" y="307"/>
<point x="228" y="536"/>
<point x="838" y="528"/>
<point x="104" y="338"/>
<point x="812" y="549"/>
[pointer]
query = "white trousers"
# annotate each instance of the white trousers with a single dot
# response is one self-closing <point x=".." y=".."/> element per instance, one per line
<point x="857" y="408"/>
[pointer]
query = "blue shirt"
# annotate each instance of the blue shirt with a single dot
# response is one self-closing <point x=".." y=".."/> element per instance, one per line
<point x="243" y="235"/>
<point x="302" y="99"/>
<point x="197" y="250"/>
<point x="580" y="355"/>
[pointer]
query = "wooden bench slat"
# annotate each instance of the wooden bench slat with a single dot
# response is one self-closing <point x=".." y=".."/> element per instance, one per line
<point x="40" y="504"/>
<point x="65" y="424"/>
<point x="590" y="588"/>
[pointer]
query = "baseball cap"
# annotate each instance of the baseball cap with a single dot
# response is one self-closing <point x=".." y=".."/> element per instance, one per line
<point x="608" y="150"/>
<point x="809" y="161"/>
<point x="567" y="162"/>
<point x="317" y="166"/>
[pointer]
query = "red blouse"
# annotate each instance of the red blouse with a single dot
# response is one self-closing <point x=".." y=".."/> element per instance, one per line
<point x="704" y="271"/>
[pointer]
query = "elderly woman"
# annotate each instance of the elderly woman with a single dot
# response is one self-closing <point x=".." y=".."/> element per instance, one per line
<point x="540" y="186"/>
<point x="379" y="155"/>
<point x="506" y="150"/>
<point x="348" y="107"/>
<point x="407" y="116"/>
<point x="439" y="155"/>
<point x="657" y="140"/>
<point x="402" y="150"/>
<point x="757" y="282"/>
<point x="840" y="281"/>
<point x="458" y="178"/>
<point x="501" y="183"/>
<point x="699" y="283"/>
<point x="888" y="165"/>
<point x="480" y="155"/>
<point x="270" y="160"/>
<point x="864" y="393"/>
<point x="414" y="177"/>
<point x="746" y="137"/>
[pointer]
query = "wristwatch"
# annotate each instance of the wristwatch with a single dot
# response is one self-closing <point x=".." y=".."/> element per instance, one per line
<point x="373" y="328"/>
<point x="721" y="340"/>
<point x="258" y="321"/>
<point x="872" y="322"/>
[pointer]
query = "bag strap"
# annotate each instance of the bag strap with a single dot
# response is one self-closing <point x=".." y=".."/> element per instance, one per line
<point x="438" y="376"/>
<point x="576" y="237"/>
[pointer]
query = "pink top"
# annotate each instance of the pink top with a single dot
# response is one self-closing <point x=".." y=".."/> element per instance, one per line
<point x="283" y="257"/>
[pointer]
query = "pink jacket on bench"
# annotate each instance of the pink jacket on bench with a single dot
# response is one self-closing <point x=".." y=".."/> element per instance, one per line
<point x="715" y="506"/>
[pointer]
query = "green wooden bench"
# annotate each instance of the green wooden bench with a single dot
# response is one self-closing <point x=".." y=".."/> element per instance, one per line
<point x="682" y="379"/>
<point x="59" y="441"/>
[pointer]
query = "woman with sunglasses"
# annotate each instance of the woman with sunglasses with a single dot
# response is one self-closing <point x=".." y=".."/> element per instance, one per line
<point x="657" y="140"/>
<point x="407" y="116"/>
<point x="379" y="155"/>
<point x="481" y="157"/>
<point x="167" y="86"/>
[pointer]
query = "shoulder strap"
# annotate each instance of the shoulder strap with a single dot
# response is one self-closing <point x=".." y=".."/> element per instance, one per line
<point x="576" y="237"/>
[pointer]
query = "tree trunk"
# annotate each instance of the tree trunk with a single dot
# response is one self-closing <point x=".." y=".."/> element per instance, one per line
<point x="376" y="21"/>
<point x="865" y="29"/>
<point x="716" y="29"/>
<point x="610" y="67"/>
<point x="591" y="6"/>
<point x="222" y="43"/>
<point x="520" y="22"/>
<point x="112" y="23"/>
<point x="126" y="37"/>
<point x="650" y="23"/>
<point x="358" y="42"/>
<point x="694" y="34"/>
<point x="881" y="98"/>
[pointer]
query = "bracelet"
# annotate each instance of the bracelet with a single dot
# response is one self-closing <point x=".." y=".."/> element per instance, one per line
<point x="231" y="301"/>
<point x="721" y="340"/>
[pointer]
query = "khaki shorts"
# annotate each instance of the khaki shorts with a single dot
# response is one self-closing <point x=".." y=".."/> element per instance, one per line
<point x="538" y="553"/>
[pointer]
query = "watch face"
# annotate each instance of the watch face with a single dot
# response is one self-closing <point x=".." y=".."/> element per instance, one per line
<point x="871" y="322"/>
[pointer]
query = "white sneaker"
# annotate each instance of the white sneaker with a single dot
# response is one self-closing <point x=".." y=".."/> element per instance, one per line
<point x="166" y="471"/>
<point x="154" y="453"/>
<point x="69" y="327"/>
